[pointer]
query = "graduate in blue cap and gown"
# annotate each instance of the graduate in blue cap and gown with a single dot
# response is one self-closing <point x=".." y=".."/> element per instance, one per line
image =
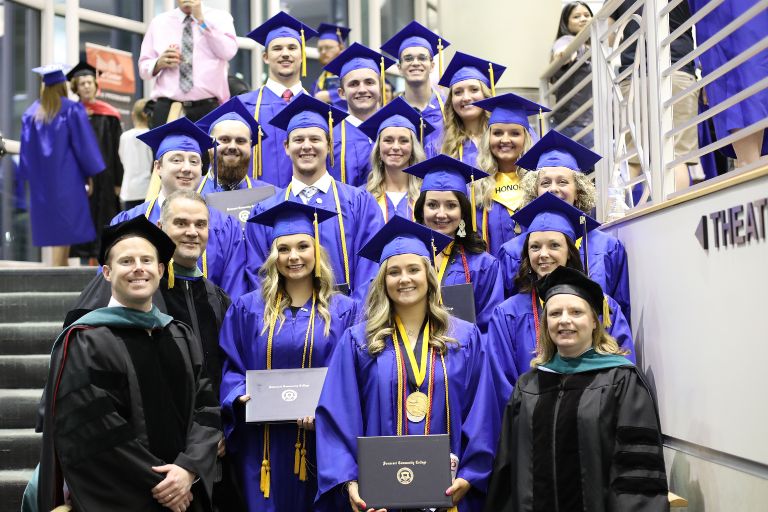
<point x="362" y="80"/>
<point x="398" y="130"/>
<point x="306" y="121"/>
<point x="178" y="147"/>
<point x="406" y="370"/>
<point x="284" y="40"/>
<point x="444" y="206"/>
<point x="293" y="320"/>
<point x="553" y="226"/>
<point x="415" y="47"/>
<point x="236" y="133"/>
<point x="508" y="137"/>
<point x="59" y="155"/>
<point x="558" y="165"/>
<point x="330" y="43"/>
<point x="468" y="79"/>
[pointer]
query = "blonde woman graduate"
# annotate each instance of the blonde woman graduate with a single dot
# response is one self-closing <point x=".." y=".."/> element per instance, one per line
<point x="398" y="130"/>
<point x="508" y="137"/>
<point x="294" y="320"/>
<point x="408" y="369"/>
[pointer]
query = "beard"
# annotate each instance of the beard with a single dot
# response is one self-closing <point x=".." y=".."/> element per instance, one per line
<point x="232" y="174"/>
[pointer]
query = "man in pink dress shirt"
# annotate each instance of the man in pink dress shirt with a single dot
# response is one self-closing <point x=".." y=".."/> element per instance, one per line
<point x="186" y="51"/>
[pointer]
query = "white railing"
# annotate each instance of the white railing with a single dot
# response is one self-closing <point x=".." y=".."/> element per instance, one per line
<point x="636" y="104"/>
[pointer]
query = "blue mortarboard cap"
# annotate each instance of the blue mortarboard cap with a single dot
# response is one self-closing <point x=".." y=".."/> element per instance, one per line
<point x="510" y="108"/>
<point x="291" y="218"/>
<point x="550" y="213"/>
<point x="52" y="74"/>
<point x="556" y="150"/>
<point x="402" y="236"/>
<point x="355" y="57"/>
<point x="412" y="35"/>
<point x="444" y="173"/>
<point x="179" y="135"/>
<point x="304" y="111"/>
<point x="280" y="25"/>
<point x="232" y="110"/>
<point x="333" y="32"/>
<point x="395" y="113"/>
<point x="466" y="67"/>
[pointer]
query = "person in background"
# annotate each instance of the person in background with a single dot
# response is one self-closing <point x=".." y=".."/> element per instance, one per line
<point x="59" y="156"/>
<point x="581" y="430"/>
<point x="574" y="17"/>
<point x="444" y="206"/>
<point x="136" y="158"/>
<point x="295" y="319"/>
<point x="397" y="129"/>
<point x="186" y="52"/>
<point x="377" y="381"/>
<point x="468" y="80"/>
<point x="359" y="69"/>
<point x="236" y="132"/>
<point x="389" y="91"/>
<point x="330" y="43"/>
<point x="285" y="56"/>
<point x="415" y="47"/>
<point x="309" y="123"/>
<point x="106" y="123"/>
<point x="508" y="137"/>
<point x="558" y="165"/>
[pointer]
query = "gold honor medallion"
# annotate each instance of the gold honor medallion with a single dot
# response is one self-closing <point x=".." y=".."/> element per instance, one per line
<point x="416" y="407"/>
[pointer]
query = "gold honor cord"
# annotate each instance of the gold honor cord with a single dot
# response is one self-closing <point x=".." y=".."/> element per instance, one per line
<point x="440" y="102"/>
<point x="444" y="263"/>
<point x="343" y="162"/>
<point x="330" y="133"/>
<point x="257" y="150"/>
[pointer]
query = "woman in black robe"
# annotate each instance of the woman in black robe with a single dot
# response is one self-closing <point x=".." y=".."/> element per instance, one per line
<point x="581" y="431"/>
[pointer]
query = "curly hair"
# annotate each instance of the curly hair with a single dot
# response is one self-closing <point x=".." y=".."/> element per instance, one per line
<point x="379" y="313"/>
<point x="376" y="178"/>
<point x="273" y="282"/>
<point x="586" y="193"/>
<point x="454" y="134"/>
<point x="486" y="161"/>
<point x="526" y="277"/>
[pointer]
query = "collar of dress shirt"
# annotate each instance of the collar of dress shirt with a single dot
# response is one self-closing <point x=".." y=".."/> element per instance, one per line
<point x="279" y="89"/>
<point x="354" y="121"/>
<point x="323" y="184"/>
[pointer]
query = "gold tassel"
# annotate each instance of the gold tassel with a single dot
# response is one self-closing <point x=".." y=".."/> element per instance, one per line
<point x="205" y="263"/>
<point x="330" y="133"/>
<point x="383" y="83"/>
<point x="421" y="130"/>
<point x="338" y="34"/>
<point x="171" y="278"/>
<point x="473" y="202"/>
<point x="264" y="484"/>
<point x="303" y="55"/>
<point x="440" y="55"/>
<point x="493" y="81"/>
<point x="541" y="123"/>
<point x="303" y="465"/>
<point x="453" y="509"/>
<point x="317" y="245"/>
<point x="606" y="313"/>
<point x="297" y="453"/>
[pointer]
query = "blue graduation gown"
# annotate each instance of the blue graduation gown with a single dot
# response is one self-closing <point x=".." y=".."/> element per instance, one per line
<point x="276" y="166"/>
<point x="485" y="276"/>
<point x="57" y="159"/>
<point x="433" y="114"/>
<point x="225" y="252"/>
<point x="511" y="339"/>
<point x="468" y="156"/>
<point x="361" y="217"/>
<point x="404" y="208"/>
<point x="607" y="266"/>
<point x="357" y="149"/>
<point x="331" y="85"/>
<point x="245" y="347"/>
<point x="359" y="399"/>
<point x="207" y="184"/>
<point x="501" y="227"/>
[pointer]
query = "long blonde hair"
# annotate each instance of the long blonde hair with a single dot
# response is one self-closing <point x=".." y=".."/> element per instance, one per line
<point x="379" y="313"/>
<point x="454" y="134"/>
<point x="273" y="282"/>
<point x="377" y="175"/>
<point x="602" y="342"/>
<point x="50" y="101"/>
<point x="487" y="162"/>
<point x="586" y="193"/>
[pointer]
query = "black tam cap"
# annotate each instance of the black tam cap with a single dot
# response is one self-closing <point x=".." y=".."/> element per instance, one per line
<point x="142" y="228"/>
<point x="564" y="280"/>
<point x="81" y="69"/>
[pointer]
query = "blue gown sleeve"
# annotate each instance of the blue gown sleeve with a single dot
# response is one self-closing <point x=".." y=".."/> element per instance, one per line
<point x="84" y="141"/>
<point x="620" y="330"/>
<point x="499" y="345"/>
<point x="509" y="259"/>
<point x="227" y="258"/>
<point x="255" y="250"/>
<point x="369" y="220"/>
<point x="489" y="292"/>
<point x="620" y="291"/>
<point x="235" y="330"/>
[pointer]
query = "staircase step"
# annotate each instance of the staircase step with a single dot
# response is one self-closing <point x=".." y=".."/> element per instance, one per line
<point x="36" y="306"/>
<point x="23" y="371"/>
<point x="18" y="407"/>
<point x="12" y="485"/>
<point x="19" y="448"/>
<point x="66" y="279"/>
<point x="28" y="337"/>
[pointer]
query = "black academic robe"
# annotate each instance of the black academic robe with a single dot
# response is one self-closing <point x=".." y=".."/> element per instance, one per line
<point x="585" y="441"/>
<point x="118" y="401"/>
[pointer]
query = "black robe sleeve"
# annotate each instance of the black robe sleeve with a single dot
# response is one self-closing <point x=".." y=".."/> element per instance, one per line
<point x="501" y="489"/>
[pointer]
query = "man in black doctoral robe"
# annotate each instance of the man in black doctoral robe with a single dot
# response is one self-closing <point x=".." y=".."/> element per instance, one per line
<point x="130" y="421"/>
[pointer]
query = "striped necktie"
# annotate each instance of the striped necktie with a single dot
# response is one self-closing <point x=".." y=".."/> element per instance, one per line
<point x="185" y="68"/>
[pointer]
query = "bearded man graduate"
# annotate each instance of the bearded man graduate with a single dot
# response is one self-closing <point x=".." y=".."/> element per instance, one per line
<point x="131" y="423"/>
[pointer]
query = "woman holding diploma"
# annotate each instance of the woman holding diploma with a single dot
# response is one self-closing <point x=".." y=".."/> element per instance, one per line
<point x="408" y="369"/>
<point x="444" y="206"/>
<point x="292" y="321"/>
